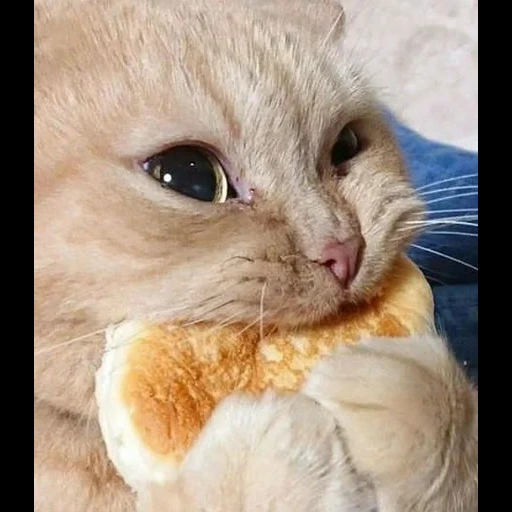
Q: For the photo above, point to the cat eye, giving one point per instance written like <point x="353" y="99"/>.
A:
<point x="346" y="147"/>
<point x="191" y="171"/>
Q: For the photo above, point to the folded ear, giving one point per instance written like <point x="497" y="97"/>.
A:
<point x="325" y="17"/>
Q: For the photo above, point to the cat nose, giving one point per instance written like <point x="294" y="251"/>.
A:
<point x="343" y="259"/>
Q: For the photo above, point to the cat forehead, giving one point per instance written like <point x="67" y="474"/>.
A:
<point x="252" y="79"/>
<point x="218" y="75"/>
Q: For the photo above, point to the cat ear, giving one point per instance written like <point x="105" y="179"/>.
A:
<point x="325" y="17"/>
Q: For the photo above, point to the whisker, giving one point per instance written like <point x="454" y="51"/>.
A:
<point x="455" y="196"/>
<point x="446" y="180"/>
<point x="439" y="190"/>
<point x="261" y="309"/>
<point x="472" y="216"/>
<point x="446" y="256"/>
<point x="421" y="223"/>
<point x="230" y="320"/>
<point x="135" y="337"/>
<point x="248" y="326"/>
<point x="155" y="317"/>
<point x="208" y="312"/>
<point x="331" y="30"/>
<point x="434" y="231"/>
<point x="457" y="233"/>
<point x="433" y="227"/>
<point x="168" y="311"/>
<point x="442" y="222"/>
<point x="45" y="350"/>
<point x="454" y="210"/>
<point x="434" y="279"/>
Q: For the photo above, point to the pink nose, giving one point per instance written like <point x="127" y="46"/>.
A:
<point x="343" y="259"/>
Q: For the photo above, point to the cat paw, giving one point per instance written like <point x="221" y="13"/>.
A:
<point x="395" y="400"/>
<point x="279" y="453"/>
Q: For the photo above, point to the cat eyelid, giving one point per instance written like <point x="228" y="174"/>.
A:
<point x="162" y="148"/>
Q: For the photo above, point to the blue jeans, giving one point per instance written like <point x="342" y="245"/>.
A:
<point x="455" y="283"/>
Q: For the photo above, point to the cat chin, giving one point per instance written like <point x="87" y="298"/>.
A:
<point x="299" y="312"/>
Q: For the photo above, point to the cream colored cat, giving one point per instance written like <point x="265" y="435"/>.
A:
<point x="197" y="159"/>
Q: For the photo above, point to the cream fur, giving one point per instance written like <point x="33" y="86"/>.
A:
<point x="269" y="89"/>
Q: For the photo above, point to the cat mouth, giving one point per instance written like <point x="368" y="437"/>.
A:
<point x="326" y="296"/>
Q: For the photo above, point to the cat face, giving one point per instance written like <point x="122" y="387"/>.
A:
<point x="263" y="96"/>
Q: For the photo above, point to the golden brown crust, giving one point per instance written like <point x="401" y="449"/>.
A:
<point x="176" y="375"/>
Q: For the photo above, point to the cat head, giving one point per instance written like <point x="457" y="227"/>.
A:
<point x="307" y="194"/>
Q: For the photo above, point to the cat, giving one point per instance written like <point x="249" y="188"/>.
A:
<point x="210" y="160"/>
